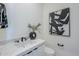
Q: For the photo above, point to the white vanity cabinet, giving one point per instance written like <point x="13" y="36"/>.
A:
<point x="30" y="48"/>
<point x="36" y="50"/>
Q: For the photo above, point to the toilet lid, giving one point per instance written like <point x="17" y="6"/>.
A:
<point x="49" y="50"/>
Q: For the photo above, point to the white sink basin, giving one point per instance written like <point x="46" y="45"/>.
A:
<point x="25" y="43"/>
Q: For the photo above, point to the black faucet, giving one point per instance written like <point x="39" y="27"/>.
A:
<point x="23" y="39"/>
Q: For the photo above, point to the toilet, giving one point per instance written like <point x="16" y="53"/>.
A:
<point x="49" y="52"/>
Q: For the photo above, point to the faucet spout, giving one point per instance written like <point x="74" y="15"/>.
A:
<point x="23" y="39"/>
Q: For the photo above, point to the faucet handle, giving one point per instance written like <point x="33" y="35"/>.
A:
<point x="17" y="41"/>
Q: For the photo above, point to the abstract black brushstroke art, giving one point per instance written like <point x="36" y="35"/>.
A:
<point x="3" y="16"/>
<point x="59" y="22"/>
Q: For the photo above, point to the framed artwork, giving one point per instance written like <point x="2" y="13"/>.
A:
<point x="3" y="16"/>
<point x="59" y="22"/>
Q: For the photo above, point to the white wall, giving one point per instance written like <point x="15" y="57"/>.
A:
<point x="71" y="44"/>
<point x="19" y="16"/>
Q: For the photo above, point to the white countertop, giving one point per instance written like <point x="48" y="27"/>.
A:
<point x="12" y="49"/>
